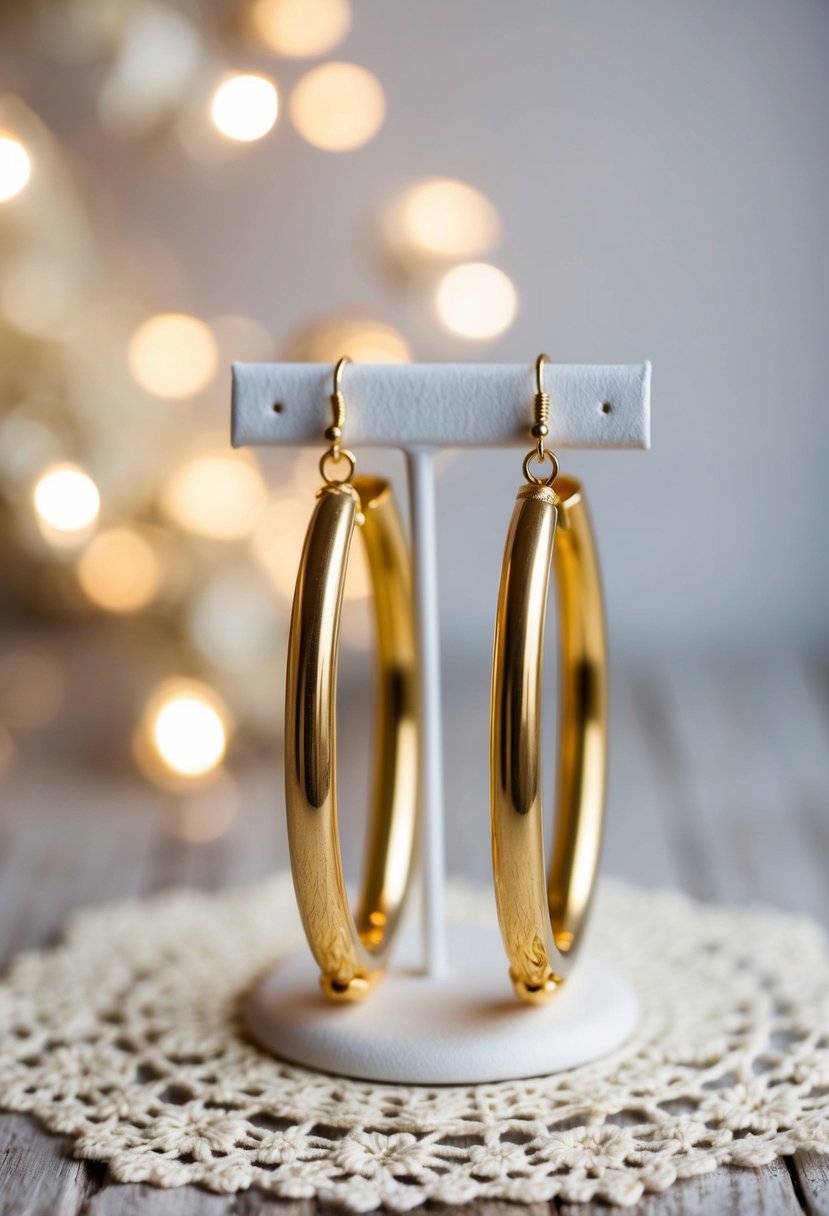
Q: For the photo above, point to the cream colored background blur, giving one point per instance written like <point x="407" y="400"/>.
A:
<point x="661" y="170"/>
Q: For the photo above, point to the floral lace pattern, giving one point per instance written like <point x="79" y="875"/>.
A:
<point x="127" y="1038"/>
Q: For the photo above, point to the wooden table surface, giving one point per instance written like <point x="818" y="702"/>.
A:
<point x="719" y="785"/>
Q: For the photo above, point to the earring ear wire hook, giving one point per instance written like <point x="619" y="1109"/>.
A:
<point x="334" y="433"/>
<point x="542" y="406"/>
<point x="540" y="429"/>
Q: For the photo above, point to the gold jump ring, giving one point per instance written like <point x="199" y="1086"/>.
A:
<point x="335" y="457"/>
<point x="542" y="457"/>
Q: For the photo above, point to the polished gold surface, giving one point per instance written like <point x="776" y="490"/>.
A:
<point x="541" y="917"/>
<point x="351" y="950"/>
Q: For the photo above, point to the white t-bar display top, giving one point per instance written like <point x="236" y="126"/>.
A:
<point x="442" y="405"/>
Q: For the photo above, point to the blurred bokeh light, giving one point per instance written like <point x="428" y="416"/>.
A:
<point x="215" y="494"/>
<point x="173" y="355"/>
<point x="277" y="541"/>
<point x="66" y="502"/>
<point x="241" y="339"/>
<point x="28" y="443"/>
<point x="15" y="167"/>
<point x="443" y="218"/>
<point x="245" y="107"/>
<point x="116" y="503"/>
<point x="232" y="619"/>
<point x="476" y="300"/>
<point x="300" y="29"/>
<point x="120" y="570"/>
<point x="158" y="58"/>
<point x="36" y="295"/>
<point x="338" y="106"/>
<point x="364" y="339"/>
<point x="184" y="731"/>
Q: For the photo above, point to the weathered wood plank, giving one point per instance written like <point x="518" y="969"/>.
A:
<point x="253" y="1203"/>
<point x="38" y="1177"/>
<point x="732" y="1191"/>
<point x="719" y="784"/>
<point x="138" y="1199"/>
<point x="749" y="762"/>
<point x="489" y="1207"/>
<point x="731" y="830"/>
<point x="811" y="1175"/>
<point x="640" y="837"/>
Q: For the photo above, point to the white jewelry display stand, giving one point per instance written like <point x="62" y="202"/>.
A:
<point x="453" y="1018"/>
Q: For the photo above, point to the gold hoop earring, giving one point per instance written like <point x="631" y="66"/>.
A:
<point x="542" y="916"/>
<point x="350" y="950"/>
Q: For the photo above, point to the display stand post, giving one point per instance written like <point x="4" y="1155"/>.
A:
<point x="420" y="463"/>
<point x="453" y="1018"/>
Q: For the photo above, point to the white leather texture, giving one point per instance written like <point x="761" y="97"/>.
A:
<point x="454" y="405"/>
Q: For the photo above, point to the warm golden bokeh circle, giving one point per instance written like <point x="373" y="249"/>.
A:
<point x="183" y="732"/>
<point x="338" y="106"/>
<point x="66" y="502"/>
<point x="476" y="300"/>
<point x="172" y="355"/>
<point x="245" y="107"/>
<point x="300" y="29"/>
<point x="119" y="570"/>
<point x="15" y="167"/>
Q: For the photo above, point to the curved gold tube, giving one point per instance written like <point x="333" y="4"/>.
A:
<point x="542" y="917"/>
<point x="351" y="951"/>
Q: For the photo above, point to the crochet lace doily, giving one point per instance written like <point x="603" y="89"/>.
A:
<point x="127" y="1037"/>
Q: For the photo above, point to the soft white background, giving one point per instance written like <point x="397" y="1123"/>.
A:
<point x="662" y="172"/>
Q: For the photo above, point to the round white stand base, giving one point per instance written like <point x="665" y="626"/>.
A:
<point x="465" y="1029"/>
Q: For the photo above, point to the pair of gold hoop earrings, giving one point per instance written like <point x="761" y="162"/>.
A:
<point x="541" y="915"/>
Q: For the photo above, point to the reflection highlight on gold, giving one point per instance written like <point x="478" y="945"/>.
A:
<point x="300" y="29"/>
<point x="476" y="300"/>
<point x="338" y="106"/>
<point x="217" y="495"/>
<point x="245" y="107"/>
<point x="172" y="355"/>
<point x="119" y="570"/>
<point x="15" y="167"/>
<point x="66" y="503"/>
